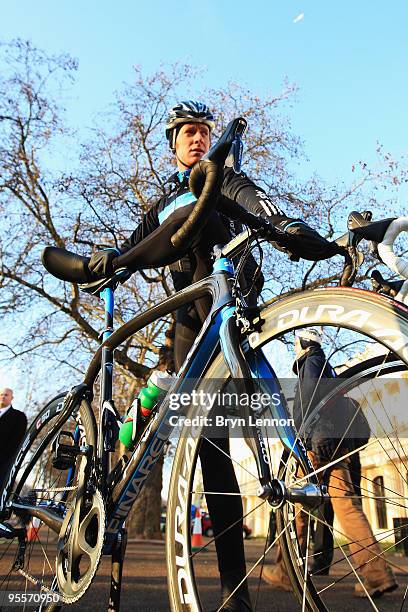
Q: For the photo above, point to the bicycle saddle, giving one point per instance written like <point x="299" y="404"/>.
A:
<point x="388" y="287"/>
<point x="370" y="230"/>
<point x="66" y="266"/>
<point x="73" y="268"/>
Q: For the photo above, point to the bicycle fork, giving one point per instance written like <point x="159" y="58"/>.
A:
<point x="248" y="367"/>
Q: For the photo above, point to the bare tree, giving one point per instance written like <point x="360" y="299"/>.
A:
<point x="122" y="169"/>
<point x="41" y="207"/>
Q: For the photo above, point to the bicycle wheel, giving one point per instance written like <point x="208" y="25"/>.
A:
<point x="49" y="473"/>
<point x="355" y="325"/>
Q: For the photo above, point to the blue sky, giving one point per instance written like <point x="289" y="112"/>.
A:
<point x="349" y="60"/>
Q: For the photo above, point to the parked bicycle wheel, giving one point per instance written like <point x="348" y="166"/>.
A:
<point x="49" y="474"/>
<point x="357" y="327"/>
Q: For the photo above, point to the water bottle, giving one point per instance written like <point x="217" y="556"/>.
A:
<point x="149" y="397"/>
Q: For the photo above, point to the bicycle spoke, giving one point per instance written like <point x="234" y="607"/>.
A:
<point x="254" y="476"/>
<point x="355" y="554"/>
<point x="193" y="554"/>
<point x="362" y="547"/>
<point x="40" y="483"/>
<point x="353" y="571"/>
<point x="306" y="562"/>
<point x="255" y="565"/>
<point x="404" y="599"/>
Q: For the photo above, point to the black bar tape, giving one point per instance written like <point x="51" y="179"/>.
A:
<point x="205" y="181"/>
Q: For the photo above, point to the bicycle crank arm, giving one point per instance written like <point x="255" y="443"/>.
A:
<point x="46" y="515"/>
<point x="309" y="495"/>
<point x="8" y="532"/>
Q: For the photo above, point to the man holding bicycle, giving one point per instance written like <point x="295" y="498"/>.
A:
<point x="188" y="131"/>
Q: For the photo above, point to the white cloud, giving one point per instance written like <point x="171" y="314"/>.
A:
<point x="298" y="18"/>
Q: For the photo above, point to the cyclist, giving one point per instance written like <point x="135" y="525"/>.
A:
<point x="188" y="131"/>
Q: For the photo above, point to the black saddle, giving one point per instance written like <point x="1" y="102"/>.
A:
<point x="369" y="230"/>
<point x="73" y="268"/>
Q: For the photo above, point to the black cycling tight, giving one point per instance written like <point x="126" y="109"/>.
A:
<point x="218" y="475"/>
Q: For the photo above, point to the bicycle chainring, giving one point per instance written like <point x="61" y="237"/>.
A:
<point x="80" y="542"/>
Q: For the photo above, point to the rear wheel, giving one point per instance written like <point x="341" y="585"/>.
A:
<point x="355" y="325"/>
<point x="58" y="554"/>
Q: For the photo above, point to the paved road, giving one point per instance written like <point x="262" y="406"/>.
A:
<point x="145" y="590"/>
<point x="145" y="584"/>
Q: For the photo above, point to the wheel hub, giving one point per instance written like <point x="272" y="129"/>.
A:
<point x="309" y="495"/>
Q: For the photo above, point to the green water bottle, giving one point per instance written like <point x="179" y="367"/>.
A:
<point x="149" y="397"/>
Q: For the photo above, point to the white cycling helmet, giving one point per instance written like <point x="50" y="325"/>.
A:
<point x="187" y="111"/>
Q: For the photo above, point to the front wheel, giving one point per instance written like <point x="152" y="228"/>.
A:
<point x="355" y="326"/>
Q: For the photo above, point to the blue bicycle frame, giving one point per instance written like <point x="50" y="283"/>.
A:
<point x="220" y="326"/>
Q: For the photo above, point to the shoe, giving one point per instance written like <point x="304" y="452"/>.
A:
<point x="375" y="591"/>
<point x="276" y="577"/>
<point x="235" y="605"/>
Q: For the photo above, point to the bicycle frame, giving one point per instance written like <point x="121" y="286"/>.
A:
<point x="220" y="325"/>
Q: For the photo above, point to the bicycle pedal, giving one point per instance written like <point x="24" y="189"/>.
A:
<point x="65" y="451"/>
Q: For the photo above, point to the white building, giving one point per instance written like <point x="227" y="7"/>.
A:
<point x="384" y="460"/>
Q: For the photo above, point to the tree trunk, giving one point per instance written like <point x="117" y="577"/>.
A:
<point x="144" y="519"/>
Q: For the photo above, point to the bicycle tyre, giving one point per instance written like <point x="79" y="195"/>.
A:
<point x="356" y="375"/>
<point x="32" y="467"/>
<point x="376" y="317"/>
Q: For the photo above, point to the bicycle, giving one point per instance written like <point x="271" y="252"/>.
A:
<point x="62" y="474"/>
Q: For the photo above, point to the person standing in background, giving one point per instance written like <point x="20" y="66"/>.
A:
<point x="13" y="425"/>
<point x="313" y="369"/>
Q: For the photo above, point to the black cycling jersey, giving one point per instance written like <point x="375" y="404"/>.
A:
<point x="150" y="246"/>
<point x="236" y="187"/>
<point x="152" y="236"/>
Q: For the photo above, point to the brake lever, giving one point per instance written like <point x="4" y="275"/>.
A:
<point x="229" y="146"/>
<point x="206" y="178"/>
<point x="350" y="239"/>
<point x="353" y="257"/>
<point x="234" y="157"/>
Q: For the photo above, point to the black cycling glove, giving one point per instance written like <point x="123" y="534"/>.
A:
<point x="101" y="263"/>
<point x="302" y="241"/>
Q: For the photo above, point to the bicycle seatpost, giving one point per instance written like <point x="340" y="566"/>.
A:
<point x="108" y="428"/>
<point x="107" y="362"/>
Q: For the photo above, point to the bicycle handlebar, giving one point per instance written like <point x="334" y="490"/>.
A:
<point x="382" y="235"/>
<point x="205" y="183"/>
<point x="207" y="172"/>
<point x="396" y="263"/>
